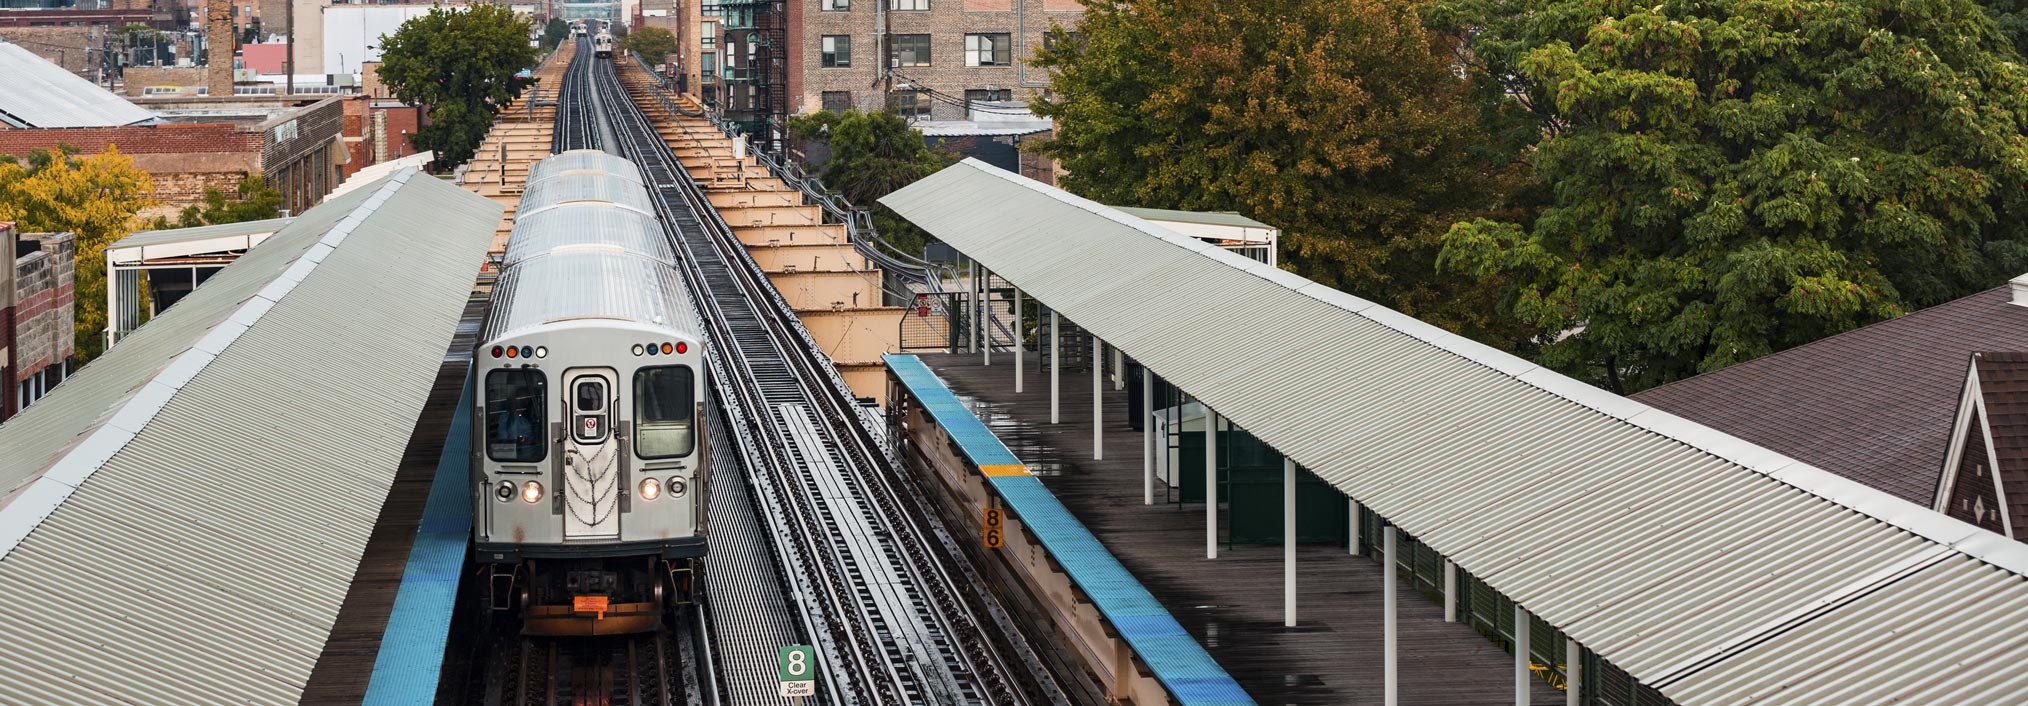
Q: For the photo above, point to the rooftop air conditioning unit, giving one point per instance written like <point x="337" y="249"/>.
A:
<point x="341" y="80"/>
<point x="245" y="76"/>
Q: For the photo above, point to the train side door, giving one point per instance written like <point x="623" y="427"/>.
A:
<point x="591" y="456"/>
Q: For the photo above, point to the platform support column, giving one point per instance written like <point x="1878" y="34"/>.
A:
<point x="986" y="316"/>
<point x="1055" y="367"/>
<point x="1098" y="400"/>
<point x="1210" y="483"/>
<point x="1391" y="680"/>
<point x="1288" y="541"/>
<point x="1450" y="592"/>
<point x="1147" y="436"/>
<point x="1573" y="671"/>
<point x="972" y="307"/>
<point x="1119" y="369"/>
<point x="1352" y="539"/>
<point x="1521" y="676"/>
<point x="1020" y="343"/>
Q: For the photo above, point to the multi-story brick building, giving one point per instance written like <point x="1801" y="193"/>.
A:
<point x="925" y="58"/>
<point x="940" y="53"/>
<point x="37" y="323"/>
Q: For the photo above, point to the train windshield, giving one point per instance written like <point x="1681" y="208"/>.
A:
<point x="515" y="411"/>
<point x="664" y="412"/>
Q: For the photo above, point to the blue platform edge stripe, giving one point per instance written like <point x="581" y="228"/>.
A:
<point x="411" y="658"/>
<point x="1178" y="661"/>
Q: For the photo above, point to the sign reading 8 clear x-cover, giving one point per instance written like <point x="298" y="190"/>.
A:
<point x="799" y="671"/>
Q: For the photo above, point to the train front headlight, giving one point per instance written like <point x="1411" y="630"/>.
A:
<point x="651" y="489"/>
<point x="505" y="492"/>
<point x="531" y="491"/>
<point x="678" y="486"/>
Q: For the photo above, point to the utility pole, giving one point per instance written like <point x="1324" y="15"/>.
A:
<point x="289" y="26"/>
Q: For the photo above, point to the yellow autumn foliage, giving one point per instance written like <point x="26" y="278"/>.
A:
<point x="97" y="198"/>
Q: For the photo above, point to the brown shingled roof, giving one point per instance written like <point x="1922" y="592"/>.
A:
<point x="158" y="139"/>
<point x="1873" y="404"/>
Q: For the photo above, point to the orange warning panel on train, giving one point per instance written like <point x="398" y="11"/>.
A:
<point x="589" y="604"/>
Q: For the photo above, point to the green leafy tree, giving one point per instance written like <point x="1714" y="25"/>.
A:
<point x="554" y="33"/>
<point x="652" y="43"/>
<point x="1339" y="121"/>
<point x="95" y="198"/>
<point x="872" y="155"/>
<point x="254" y="201"/>
<point x="461" y="63"/>
<point x="1722" y="179"/>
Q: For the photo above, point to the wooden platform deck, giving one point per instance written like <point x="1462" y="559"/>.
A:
<point x="1233" y="604"/>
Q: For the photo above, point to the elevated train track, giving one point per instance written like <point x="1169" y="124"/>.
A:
<point x="816" y="538"/>
<point x="895" y="619"/>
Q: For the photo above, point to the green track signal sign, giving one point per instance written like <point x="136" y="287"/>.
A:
<point x="799" y="671"/>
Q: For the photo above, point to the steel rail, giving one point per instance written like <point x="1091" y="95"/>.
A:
<point x="915" y="634"/>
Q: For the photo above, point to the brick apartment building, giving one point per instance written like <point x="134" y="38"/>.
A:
<point x="940" y="53"/>
<point x="37" y="324"/>
<point x="943" y="51"/>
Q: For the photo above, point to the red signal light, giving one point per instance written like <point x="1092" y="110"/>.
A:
<point x="496" y="351"/>
<point x="682" y="348"/>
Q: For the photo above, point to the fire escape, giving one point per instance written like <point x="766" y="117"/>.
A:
<point x="757" y="69"/>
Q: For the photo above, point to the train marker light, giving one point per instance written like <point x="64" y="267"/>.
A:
<point x="665" y="349"/>
<point x="527" y="352"/>
<point x="651" y="489"/>
<point x="505" y="491"/>
<point x="496" y="351"/>
<point x="678" y="486"/>
<point x="682" y="348"/>
<point x="541" y="351"/>
<point x="513" y="352"/>
<point x="637" y="349"/>
<point x="532" y="492"/>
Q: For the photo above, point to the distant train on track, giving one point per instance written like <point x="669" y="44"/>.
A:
<point x="602" y="45"/>
<point x="589" y="462"/>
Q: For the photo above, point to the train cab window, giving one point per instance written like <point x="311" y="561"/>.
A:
<point x="664" y="411"/>
<point x="590" y="403"/>
<point x="516" y="407"/>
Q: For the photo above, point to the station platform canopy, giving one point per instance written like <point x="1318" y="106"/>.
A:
<point x="180" y="519"/>
<point x="1711" y="569"/>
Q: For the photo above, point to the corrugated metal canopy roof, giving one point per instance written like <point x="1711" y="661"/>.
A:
<point x="184" y="235"/>
<point x="42" y="94"/>
<point x="182" y="517"/>
<point x="1712" y="569"/>
<point x="1211" y="218"/>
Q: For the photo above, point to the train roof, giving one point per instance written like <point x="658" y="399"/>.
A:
<point x="585" y="160"/>
<point x="590" y="283"/>
<point x="587" y="224"/>
<point x="584" y="185"/>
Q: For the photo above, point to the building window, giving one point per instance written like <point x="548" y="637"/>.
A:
<point x="837" y="5"/>
<point x="837" y="51"/>
<point x="707" y="35"/>
<point x="975" y="95"/>
<point x="910" y="50"/>
<point x="988" y="50"/>
<point x="707" y="62"/>
<point x="908" y="4"/>
<point x="909" y="104"/>
<point x="1049" y="40"/>
<point x="837" y="101"/>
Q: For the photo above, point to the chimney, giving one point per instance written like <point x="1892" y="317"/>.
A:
<point x="219" y="39"/>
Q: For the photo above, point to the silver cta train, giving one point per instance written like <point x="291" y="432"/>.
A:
<point x="602" y="45"/>
<point x="589" y="447"/>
